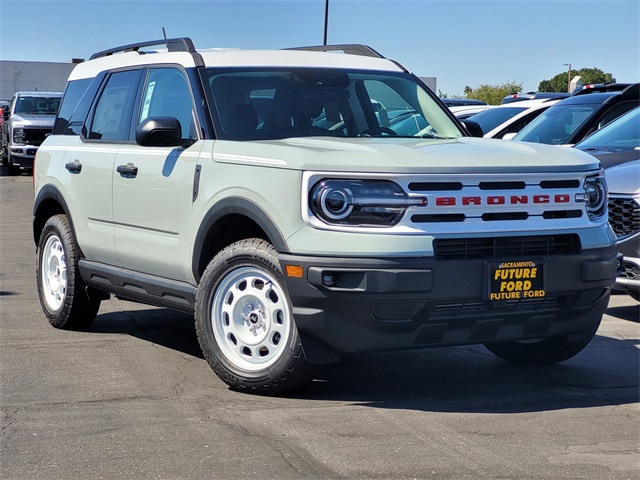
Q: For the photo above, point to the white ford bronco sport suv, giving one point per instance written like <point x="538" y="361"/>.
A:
<point x="307" y="205"/>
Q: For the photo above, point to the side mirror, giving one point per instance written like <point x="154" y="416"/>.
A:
<point x="473" y="128"/>
<point x="160" y="132"/>
<point x="5" y="113"/>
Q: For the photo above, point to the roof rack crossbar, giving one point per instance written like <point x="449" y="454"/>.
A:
<point x="182" y="44"/>
<point x="349" y="48"/>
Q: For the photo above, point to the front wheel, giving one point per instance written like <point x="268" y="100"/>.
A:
<point x="245" y="324"/>
<point x="63" y="295"/>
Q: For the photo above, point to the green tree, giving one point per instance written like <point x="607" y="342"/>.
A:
<point x="560" y="82"/>
<point x="493" y="94"/>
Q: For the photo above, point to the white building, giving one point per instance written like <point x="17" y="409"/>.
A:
<point x="18" y="76"/>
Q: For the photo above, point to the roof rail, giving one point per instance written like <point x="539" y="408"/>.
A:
<point x="183" y="44"/>
<point x="633" y="89"/>
<point x="602" y="87"/>
<point x="348" y="48"/>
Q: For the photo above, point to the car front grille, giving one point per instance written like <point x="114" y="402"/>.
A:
<point x="624" y="216"/>
<point x="35" y="136"/>
<point x="630" y="271"/>
<point x="505" y="247"/>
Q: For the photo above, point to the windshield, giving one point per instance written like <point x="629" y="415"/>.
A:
<point x="556" y="124"/>
<point x="260" y="104"/>
<point x="38" y="105"/>
<point x="621" y="134"/>
<point x="491" y="118"/>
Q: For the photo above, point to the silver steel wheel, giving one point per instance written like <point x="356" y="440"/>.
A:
<point x="251" y="319"/>
<point x="54" y="273"/>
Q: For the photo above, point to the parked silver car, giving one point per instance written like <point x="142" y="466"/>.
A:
<point x="618" y="144"/>
<point x="624" y="218"/>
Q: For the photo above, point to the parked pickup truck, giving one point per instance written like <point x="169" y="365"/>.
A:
<point x="26" y="123"/>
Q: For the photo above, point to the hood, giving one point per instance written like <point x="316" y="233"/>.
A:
<point x="33" y="120"/>
<point x="405" y="155"/>
<point x="624" y="179"/>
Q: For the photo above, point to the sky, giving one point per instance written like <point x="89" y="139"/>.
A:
<point x="460" y="42"/>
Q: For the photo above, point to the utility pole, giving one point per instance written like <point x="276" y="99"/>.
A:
<point x="326" y="20"/>
<point x="568" y="77"/>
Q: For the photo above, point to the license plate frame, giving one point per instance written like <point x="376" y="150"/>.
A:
<point x="515" y="280"/>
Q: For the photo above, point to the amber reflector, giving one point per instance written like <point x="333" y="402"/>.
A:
<point x="294" y="271"/>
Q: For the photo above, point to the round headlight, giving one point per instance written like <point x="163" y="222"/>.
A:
<point x="378" y="203"/>
<point x="334" y="202"/>
<point x="596" y="196"/>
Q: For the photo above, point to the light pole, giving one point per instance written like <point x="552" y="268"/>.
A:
<point x="568" y="77"/>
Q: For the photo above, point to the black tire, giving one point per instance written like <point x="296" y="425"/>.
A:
<point x="13" y="169"/>
<point x="62" y="291"/>
<point x="4" y="150"/>
<point x="545" y="351"/>
<point x="245" y="324"/>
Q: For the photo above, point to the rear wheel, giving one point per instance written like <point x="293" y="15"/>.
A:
<point x="549" y="350"/>
<point x="544" y="351"/>
<point x="63" y="295"/>
<point x="245" y="324"/>
<point x="8" y="162"/>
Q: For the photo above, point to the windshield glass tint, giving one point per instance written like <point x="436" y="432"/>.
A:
<point x="621" y="134"/>
<point x="491" y="118"/>
<point x="38" y="105"/>
<point x="300" y="102"/>
<point x="555" y="125"/>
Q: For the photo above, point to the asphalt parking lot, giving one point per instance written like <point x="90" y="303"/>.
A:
<point x="134" y="398"/>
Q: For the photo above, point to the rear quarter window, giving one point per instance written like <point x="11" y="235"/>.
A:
<point x="72" y="95"/>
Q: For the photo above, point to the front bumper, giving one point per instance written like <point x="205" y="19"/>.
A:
<point x="22" y="156"/>
<point x="352" y="305"/>
<point x="629" y="278"/>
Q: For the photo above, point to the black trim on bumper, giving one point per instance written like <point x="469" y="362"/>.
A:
<point x="402" y="303"/>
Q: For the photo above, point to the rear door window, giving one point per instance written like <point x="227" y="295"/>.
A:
<point x="113" y="112"/>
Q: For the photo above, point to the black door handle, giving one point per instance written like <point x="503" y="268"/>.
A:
<point x="74" y="167"/>
<point x="128" y="171"/>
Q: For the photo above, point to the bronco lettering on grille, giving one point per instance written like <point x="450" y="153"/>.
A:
<point x="502" y="200"/>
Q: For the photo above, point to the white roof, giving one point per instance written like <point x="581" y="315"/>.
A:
<point x="529" y="106"/>
<point x="534" y="102"/>
<point x="236" y="58"/>
<point x="91" y="68"/>
<point x="465" y="109"/>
